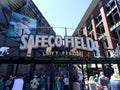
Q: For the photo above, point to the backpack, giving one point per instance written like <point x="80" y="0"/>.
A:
<point x="104" y="82"/>
<point x="34" y="83"/>
<point x="9" y="83"/>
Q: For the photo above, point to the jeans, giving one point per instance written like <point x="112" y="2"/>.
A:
<point x="115" y="84"/>
<point x="81" y="85"/>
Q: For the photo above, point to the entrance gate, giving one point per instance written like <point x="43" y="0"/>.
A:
<point x="88" y="66"/>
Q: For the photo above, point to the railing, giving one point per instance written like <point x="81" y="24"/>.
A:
<point x="115" y="26"/>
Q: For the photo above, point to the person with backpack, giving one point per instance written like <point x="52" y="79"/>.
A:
<point x="104" y="81"/>
<point x="34" y="83"/>
<point x="9" y="83"/>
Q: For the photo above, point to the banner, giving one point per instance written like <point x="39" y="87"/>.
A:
<point x="20" y="25"/>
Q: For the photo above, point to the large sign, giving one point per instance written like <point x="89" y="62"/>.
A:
<point x="45" y="41"/>
<point x="21" y="24"/>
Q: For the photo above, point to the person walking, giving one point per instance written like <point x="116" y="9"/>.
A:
<point x="34" y="83"/>
<point x="1" y="83"/>
<point x="57" y="83"/>
<point x="76" y="84"/>
<point x="104" y="81"/>
<point x="91" y="83"/>
<point x="96" y="78"/>
<point x="66" y="83"/>
<point x="80" y="80"/>
<point x="18" y="83"/>
<point x="42" y="83"/>
<point x="115" y="80"/>
<point x="9" y="83"/>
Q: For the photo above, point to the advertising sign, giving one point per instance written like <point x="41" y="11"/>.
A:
<point x="20" y="25"/>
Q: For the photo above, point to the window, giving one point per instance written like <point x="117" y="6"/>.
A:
<point x="98" y="18"/>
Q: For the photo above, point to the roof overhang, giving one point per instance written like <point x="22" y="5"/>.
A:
<point x="87" y="14"/>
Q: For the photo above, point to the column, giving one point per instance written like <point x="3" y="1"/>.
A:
<point x="10" y="69"/>
<point x="70" y="76"/>
<point x="87" y="69"/>
<point x="85" y="31"/>
<point x="96" y="65"/>
<point x="94" y="30"/>
<point x="16" y="69"/>
<point x="32" y="69"/>
<point x="103" y="67"/>
<point x="107" y="32"/>
<point x="52" y="76"/>
<point x="110" y="70"/>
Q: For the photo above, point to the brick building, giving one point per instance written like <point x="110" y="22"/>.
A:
<point x="101" y="22"/>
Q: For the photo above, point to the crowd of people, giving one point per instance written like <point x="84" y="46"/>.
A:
<point x="62" y="82"/>
<point x="101" y="82"/>
<point x="38" y="82"/>
<point x="98" y="82"/>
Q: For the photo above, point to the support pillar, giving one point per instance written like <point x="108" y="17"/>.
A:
<point x="110" y="70"/>
<point x="106" y="26"/>
<point x="52" y="76"/>
<point x="103" y="68"/>
<point x="87" y="69"/>
<point x="70" y="76"/>
<point x="32" y="69"/>
<point x="16" y="70"/>
<point x="10" y="69"/>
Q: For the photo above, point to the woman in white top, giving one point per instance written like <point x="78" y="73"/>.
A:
<point x="18" y="83"/>
<point x="115" y="79"/>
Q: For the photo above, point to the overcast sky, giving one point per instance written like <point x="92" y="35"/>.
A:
<point x="63" y="13"/>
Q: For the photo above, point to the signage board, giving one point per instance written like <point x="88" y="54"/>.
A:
<point x="44" y="41"/>
<point x="21" y="24"/>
